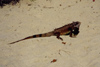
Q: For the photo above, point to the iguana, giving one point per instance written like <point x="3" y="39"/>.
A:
<point x="71" y="29"/>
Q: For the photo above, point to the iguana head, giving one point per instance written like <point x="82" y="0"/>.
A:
<point x="76" y="24"/>
<point x="75" y="30"/>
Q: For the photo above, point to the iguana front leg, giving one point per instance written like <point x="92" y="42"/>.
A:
<point x="74" y="32"/>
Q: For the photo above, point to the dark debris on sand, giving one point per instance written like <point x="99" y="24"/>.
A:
<point x="4" y="2"/>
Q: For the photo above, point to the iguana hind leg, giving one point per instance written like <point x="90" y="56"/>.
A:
<point x="58" y="36"/>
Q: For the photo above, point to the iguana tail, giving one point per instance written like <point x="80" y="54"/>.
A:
<point x="35" y="36"/>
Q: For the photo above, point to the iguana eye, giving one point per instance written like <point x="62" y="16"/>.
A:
<point x="76" y="23"/>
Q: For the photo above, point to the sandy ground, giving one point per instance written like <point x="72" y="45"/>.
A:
<point x="40" y="16"/>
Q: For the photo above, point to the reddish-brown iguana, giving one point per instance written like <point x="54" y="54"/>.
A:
<point x="71" y="29"/>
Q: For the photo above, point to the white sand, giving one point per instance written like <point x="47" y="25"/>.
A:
<point x="21" y="20"/>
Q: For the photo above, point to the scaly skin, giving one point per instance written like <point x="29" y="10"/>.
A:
<point x="71" y="29"/>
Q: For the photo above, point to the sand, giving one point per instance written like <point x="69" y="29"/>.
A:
<point x="40" y="16"/>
